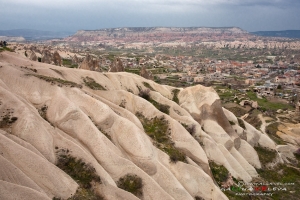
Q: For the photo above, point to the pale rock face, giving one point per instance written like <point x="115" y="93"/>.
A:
<point x="46" y="56"/>
<point x="101" y="128"/>
<point x="89" y="63"/>
<point x="116" y="66"/>
<point x="31" y="55"/>
<point x="57" y="59"/>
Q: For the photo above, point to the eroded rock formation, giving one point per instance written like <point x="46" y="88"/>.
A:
<point x="102" y="124"/>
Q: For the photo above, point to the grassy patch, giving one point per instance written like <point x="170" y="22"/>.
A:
<point x="84" y="174"/>
<point x="145" y="94"/>
<point x="190" y="128"/>
<point x="6" y="49"/>
<point x="175" y="95"/>
<point x="237" y="111"/>
<point x="271" y="131"/>
<point x="133" y="71"/>
<point x="253" y="119"/>
<point x="66" y="62"/>
<point x="57" y="71"/>
<point x="105" y="133"/>
<point x="43" y="112"/>
<point x="220" y="173"/>
<point x="161" y="107"/>
<point x="81" y="172"/>
<point x="264" y="104"/>
<point x="198" y="198"/>
<point x="158" y="130"/>
<point x="58" y="81"/>
<point x="241" y="123"/>
<point x="131" y="183"/>
<point x="147" y="85"/>
<point x="265" y="155"/>
<point x="91" y="83"/>
<point x="283" y="173"/>
<point x="231" y="123"/>
<point x="7" y="120"/>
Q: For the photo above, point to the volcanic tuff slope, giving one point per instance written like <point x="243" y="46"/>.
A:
<point x="53" y="116"/>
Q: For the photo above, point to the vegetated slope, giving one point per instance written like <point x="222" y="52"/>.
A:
<point x="77" y="134"/>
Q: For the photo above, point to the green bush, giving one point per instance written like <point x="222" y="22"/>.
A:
<point x="81" y="172"/>
<point x="91" y="83"/>
<point x="158" y="130"/>
<point x="190" y="128"/>
<point x="271" y="130"/>
<point x="84" y="174"/>
<point x="145" y="94"/>
<point x="175" y="95"/>
<point x="220" y="173"/>
<point x="147" y="85"/>
<point x="231" y="123"/>
<point x="131" y="183"/>
<point x="265" y="155"/>
<point x="7" y="120"/>
<point x="58" y="81"/>
<point x="241" y="123"/>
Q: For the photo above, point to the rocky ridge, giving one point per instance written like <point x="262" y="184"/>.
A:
<point x="115" y="126"/>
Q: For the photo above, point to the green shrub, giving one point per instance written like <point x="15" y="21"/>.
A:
<point x="91" y="83"/>
<point x="231" y="123"/>
<point x="131" y="183"/>
<point x="147" y="85"/>
<point x="57" y="71"/>
<point x="145" y="94"/>
<point x="253" y="119"/>
<point x="241" y="123"/>
<point x="190" y="128"/>
<point x="58" y="81"/>
<point x="81" y="172"/>
<point x="84" y="174"/>
<point x="265" y="155"/>
<point x="271" y="130"/>
<point x="158" y="130"/>
<point x="220" y="173"/>
<point x="175" y="95"/>
<point x="161" y="107"/>
<point x="7" y="120"/>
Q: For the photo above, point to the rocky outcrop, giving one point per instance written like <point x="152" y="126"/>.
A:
<point x="112" y="133"/>
<point x="144" y="73"/>
<point x="31" y="55"/>
<point x="46" y="56"/>
<point x="90" y="63"/>
<point x="75" y="60"/>
<point x="253" y="104"/>
<point x="116" y="66"/>
<point x="56" y="59"/>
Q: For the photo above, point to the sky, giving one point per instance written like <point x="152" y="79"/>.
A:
<point x="73" y="15"/>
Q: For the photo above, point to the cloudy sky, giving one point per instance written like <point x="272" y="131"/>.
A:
<point x="73" y="15"/>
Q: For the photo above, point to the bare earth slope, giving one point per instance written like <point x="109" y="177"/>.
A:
<point x="53" y="116"/>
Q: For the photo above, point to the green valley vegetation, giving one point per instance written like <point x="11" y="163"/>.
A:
<point x="158" y="129"/>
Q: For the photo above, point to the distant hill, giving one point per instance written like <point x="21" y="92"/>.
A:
<point x="286" y="33"/>
<point x="159" y="34"/>
<point x="30" y="34"/>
